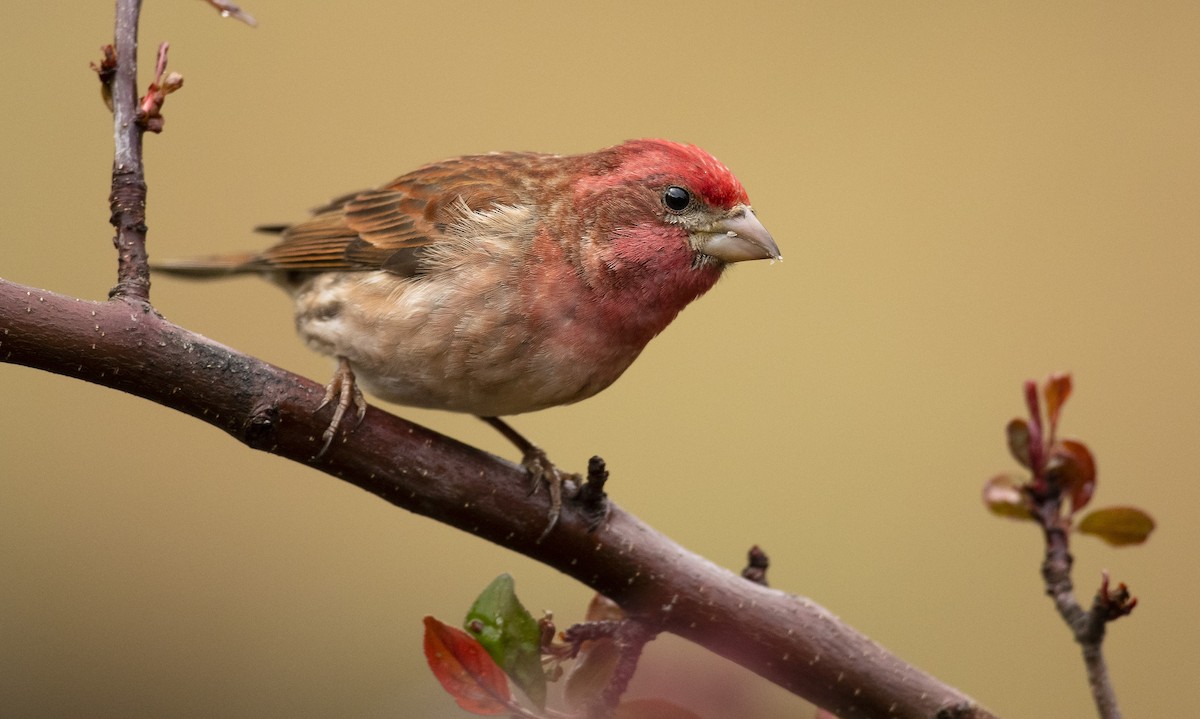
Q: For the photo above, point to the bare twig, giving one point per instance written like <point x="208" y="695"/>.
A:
<point x="228" y="9"/>
<point x="629" y="636"/>
<point x="591" y="498"/>
<point x="757" y="564"/>
<point x="1087" y="627"/>
<point x="128" y="198"/>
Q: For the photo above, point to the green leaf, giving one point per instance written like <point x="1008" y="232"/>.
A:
<point x="510" y="635"/>
<point x="1118" y="526"/>
<point x="1004" y="497"/>
<point x="1018" y="441"/>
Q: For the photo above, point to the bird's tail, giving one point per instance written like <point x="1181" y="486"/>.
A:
<point x="211" y="266"/>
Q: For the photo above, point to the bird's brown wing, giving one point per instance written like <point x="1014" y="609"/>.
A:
<point x="390" y="227"/>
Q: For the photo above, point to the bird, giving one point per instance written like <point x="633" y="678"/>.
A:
<point x="504" y="283"/>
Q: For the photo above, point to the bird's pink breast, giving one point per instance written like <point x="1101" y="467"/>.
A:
<point x="598" y="316"/>
<point x="502" y="334"/>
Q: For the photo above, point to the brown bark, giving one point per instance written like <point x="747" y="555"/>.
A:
<point x="126" y="345"/>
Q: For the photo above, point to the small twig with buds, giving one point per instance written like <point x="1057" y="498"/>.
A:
<point x="149" y="114"/>
<point x="107" y="72"/>
<point x="629" y="636"/>
<point x="1062" y="482"/>
<point x="118" y="71"/>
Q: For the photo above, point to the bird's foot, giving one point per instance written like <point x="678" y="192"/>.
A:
<point x="542" y="470"/>
<point x="589" y="496"/>
<point x="348" y="395"/>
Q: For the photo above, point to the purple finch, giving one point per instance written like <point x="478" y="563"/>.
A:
<point x="506" y="283"/>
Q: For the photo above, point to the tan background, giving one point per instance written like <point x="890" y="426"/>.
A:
<point x="966" y="195"/>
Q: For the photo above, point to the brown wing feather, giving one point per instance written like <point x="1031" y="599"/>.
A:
<point x="388" y="228"/>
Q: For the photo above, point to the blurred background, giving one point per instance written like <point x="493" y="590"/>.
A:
<point x="967" y="195"/>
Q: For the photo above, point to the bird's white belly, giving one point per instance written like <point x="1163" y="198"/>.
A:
<point x="445" y="346"/>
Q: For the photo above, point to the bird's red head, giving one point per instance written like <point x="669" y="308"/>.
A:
<point x="659" y="164"/>
<point x="670" y="162"/>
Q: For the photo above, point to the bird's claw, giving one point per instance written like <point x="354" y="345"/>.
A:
<point x="348" y="395"/>
<point x="542" y="470"/>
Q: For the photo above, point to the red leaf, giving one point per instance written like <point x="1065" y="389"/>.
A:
<point x="1018" y="441"/>
<point x="1003" y="496"/>
<point x="1037" y="456"/>
<point x="1118" y="526"/>
<point x="465" y="670"/>
<point x="1056" y="391"/>
<point x="652" y="709"/>
<point x="1073" y="468"/>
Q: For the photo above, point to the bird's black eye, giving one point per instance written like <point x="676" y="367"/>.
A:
<point x="676" y="198"/>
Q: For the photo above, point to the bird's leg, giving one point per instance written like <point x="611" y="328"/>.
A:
<point x="540" y="469"/>
<point x="348" y="394"/>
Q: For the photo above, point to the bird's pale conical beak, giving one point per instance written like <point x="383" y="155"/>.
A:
<point x="740" y="236"/>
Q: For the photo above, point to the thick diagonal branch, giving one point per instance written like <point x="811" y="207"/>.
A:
<point x="787" y="639"/>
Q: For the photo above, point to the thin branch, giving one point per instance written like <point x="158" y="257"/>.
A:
<point x="128" y="198"/>
<point x="228" y="9"/>
<point x="1087" y="627"/>
<point x="629" y="637"/>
